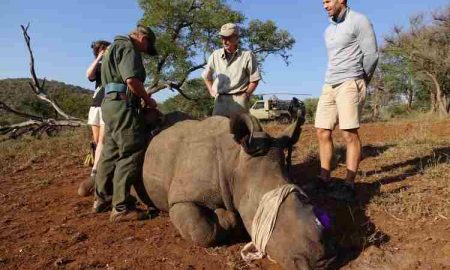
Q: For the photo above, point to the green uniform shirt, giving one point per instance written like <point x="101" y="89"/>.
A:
<point x="121" y="62"/>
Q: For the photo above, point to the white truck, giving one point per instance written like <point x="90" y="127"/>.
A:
<point x="272" y="109"/>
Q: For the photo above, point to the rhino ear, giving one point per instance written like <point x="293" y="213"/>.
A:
<point x="292" y="133"/>
<point x="243" y="125"/>
<point x="249" y="134"/>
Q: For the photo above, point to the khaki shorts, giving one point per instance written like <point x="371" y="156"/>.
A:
<point x="341" y="104"/>
<point x="226" y="105"/>
<point x="95" y="116"/>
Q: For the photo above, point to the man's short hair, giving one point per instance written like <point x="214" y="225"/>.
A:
<point x="146" y="31"/>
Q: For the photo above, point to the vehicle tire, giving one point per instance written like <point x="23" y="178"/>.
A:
<point x="284" y="119"/>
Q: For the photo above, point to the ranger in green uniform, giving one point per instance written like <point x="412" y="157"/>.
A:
<point x="120" y="163"/>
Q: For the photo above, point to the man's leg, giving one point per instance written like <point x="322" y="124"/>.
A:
<point x="326" y="118"/>
<point x="108" y="156"/>
<point x="105" y="172"/>
<point x="131" y="140"/>
<point x="350" y="99"/>
<point x="128" y="171"/>
<point x="353" y="143"/>
<point x="325" y="139"/>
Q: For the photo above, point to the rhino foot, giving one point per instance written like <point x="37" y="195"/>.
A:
<point x="194" y="223"/>
<point x="227" y="219"/>
<point x="201" y="225"/>
<point x="86" y="188"/>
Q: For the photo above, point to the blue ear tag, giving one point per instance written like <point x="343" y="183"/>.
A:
<point x="322" y="217"/>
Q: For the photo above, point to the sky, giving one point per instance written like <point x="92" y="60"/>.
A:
<point x="62" y="31"/>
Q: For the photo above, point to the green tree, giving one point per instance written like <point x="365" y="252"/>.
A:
<point x="201" y="107"/>
<point x="399" y="78"/>
<point x="187" y="32"/>
<point x="310" y="107"/>
<point x="37" y="107"/>
<point x="426" y="50"/>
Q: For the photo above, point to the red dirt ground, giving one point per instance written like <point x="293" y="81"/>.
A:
<point x="45" y="225"/>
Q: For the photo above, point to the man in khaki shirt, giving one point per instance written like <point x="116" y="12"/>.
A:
<point x="236" y="74"/>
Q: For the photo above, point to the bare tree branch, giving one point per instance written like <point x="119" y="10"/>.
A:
<point x="5" y="107"/>
<point x="38" y="88"/>
<point x="189" y="71"/>
<point x="175" y="85"/>
<point x="37" y="125"/>
<point x="268" y="50"/>
<point x="170" y="85"/>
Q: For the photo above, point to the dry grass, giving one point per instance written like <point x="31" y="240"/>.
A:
<point x="429" y="198"/>
<point x="425" y="163"/>
<point x="21" y="154"/>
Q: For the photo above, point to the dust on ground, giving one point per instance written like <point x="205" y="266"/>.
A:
<point x="401" y="220"/>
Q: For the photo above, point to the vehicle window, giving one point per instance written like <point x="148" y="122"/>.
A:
<point x="259" y="105"/>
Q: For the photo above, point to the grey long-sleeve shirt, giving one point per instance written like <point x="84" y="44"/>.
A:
<point x="352" y="48"/>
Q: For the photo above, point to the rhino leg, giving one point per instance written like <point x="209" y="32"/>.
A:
<point x="201" y="225"/>
<point x="228" y="220"/>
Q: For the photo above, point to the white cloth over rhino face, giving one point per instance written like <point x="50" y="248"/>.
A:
<point x="264" y="221"/>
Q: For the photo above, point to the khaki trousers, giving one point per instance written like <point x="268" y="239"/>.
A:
<point x="226" y="105"/>
<point x="341" y="104"/>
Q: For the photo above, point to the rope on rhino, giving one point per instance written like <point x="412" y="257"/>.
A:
<point x="264" y="221"/>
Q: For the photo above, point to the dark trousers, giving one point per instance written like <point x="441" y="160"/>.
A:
<point x="120" y="163"/>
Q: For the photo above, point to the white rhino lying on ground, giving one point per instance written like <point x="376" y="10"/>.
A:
<point x="210" y="176"/>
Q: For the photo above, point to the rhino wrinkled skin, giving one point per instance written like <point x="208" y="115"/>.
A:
<point x="211" y="186"/>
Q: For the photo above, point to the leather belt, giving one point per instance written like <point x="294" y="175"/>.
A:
<point x="231" y="94"/>
<point x="336" y="85"/>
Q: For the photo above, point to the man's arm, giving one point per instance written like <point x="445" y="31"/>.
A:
<point x="130" y="66"/>
<point x="255" y="76"/>
<point x="207" y="76"/>
<point x="209" y="85"/>
<point x="251" y="88"/>
<point x="368" y="44"/>
<point x="137" y="87"/>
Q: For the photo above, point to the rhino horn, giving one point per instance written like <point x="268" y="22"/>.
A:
<point x="249" y="134"/>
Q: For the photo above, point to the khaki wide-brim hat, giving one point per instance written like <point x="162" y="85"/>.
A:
<point x="151" y="50"/>
<point x="229" y="29"/>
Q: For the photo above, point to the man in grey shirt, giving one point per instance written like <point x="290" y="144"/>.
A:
<point x="352" y="59"/>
